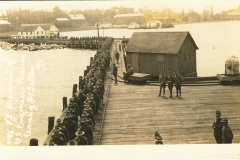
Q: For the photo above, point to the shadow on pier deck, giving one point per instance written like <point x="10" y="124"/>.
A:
<point x="135" y="112"/>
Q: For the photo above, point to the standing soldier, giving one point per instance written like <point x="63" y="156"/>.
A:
<point x="115" y="70"/>
<point x="178" y="83"/>
<point x="170" y="80"/>
<point x="162" y="81"/>
<point x="117" y="55"/>
<point x="217" y="126"/>
<point x="227" y="134"/>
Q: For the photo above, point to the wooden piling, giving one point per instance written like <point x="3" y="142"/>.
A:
<point x="85" y="73"/>
<point x="88" y="68"/>
<point x="80" y="82"/>
<point x="64" y="103"/>
<point x="50" y="123"/>
<point x="33" y="142"/>
<point x="74" y="89"/>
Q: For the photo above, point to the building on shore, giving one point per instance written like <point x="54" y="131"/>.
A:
<point x="126" y="19"/>
<point x="62" y="23"/>
<point x="133" y="25"/>
<point x="37" y="31"/>
<point x="77" y="20"/>
<point x="151" y="52"/>
<point x="154" y="23"/>
<point x="4" y="26"/>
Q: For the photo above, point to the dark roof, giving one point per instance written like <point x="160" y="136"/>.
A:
<point x="157" y="42"/>
<point x="27" y="28"/>
<point x="46" y="27"/>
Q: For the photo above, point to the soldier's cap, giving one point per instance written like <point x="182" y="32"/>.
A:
<point x="59" y="120"/>
<point x="72" y="142"/>
<point x="84" y="114"/>
<point x="157" y="134"/>
<point x="218" y="112"/>
<point x="225" y="120"/>
<point x="79" y="133"/>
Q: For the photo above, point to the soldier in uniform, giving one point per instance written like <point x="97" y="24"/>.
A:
<point x="71" y="126"/>
<point x="170" y="80"/>
<point x="158" y="138"/>
<point x="117" y="55"/>
<point x="162" y="81"/>
<point x="80" y="139"/>
<point x="115" y="70"/>
<point x="61" y="127"/>
<point x="227" y="135"/>
<point x="217" y="126"/>
<point x="128" y="73"/>
<point x="178" y="83"/>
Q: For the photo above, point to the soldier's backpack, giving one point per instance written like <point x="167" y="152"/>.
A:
<point x="229" y="134"/>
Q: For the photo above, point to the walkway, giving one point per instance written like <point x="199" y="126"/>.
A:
<point x="134" y="113"/>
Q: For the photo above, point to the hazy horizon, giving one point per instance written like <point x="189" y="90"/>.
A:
<point x="175" y="5"/>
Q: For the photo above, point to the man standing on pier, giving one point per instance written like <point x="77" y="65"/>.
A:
<point x="162" y="81"/>
<point x="227" y="135"/>
<point x="217" y="126"/>
<point x="117" y="55"/>
<point x="115" y="70"/>
<point x="170" y="80"/>
<point x="178" y="83"/>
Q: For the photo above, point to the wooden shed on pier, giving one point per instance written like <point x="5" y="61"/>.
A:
<point x="151" y="52"/>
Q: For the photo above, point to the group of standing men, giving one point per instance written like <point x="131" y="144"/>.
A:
<point x="222" y="132"/>
<point x="170" y="79"/>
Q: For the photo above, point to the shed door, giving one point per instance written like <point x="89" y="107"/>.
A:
<point x="135" y="62"/>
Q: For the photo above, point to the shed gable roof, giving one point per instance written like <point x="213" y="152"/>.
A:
<point x="76" y="17"/>
<point x="157" y="42"/>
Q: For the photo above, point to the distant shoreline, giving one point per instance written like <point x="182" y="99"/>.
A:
<point x="114" y="27"/>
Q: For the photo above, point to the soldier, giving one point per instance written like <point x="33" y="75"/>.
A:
<point x="178" y="83"/>
<point x="71" y="126"/>
<point x="61" y="127"/>
<point x="217" y="126"/>
<point x="158" y="138"/>
<point x="88" y="130"/>
<point x="162" y="81"/>
<point x="80" y="139"/>
<point x="117" y="55"/>
<point x="58" y="138"/>
<point x="227" y="135"/>
<point x="128" y="73"/>
<point x="115" y="70"/>
<point x="170" y="80"/>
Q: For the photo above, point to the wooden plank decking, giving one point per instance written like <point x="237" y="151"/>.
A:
<point x="135" y="112"/>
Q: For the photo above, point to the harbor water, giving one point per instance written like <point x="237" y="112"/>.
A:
<point x="33" y="83"/>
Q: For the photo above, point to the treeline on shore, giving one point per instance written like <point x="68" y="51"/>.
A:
<point x="27" y="16"/>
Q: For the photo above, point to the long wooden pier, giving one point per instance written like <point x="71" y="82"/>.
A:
<point x="134" y="112"/>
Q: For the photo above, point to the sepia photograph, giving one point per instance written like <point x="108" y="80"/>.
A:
<point x="128" y="78"/>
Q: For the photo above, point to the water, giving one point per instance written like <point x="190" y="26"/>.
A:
<point x="216" y="42"/>
<point x="60" y="69"/>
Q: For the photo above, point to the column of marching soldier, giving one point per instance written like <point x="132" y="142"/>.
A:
<point x="85" y="103"/>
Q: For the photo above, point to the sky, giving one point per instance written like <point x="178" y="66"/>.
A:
<point x="175" y="5"/>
